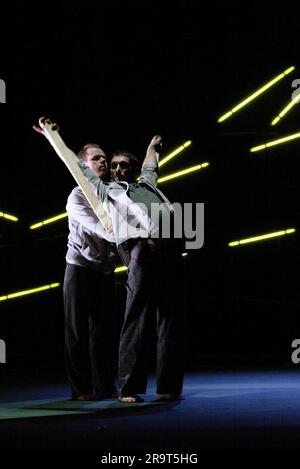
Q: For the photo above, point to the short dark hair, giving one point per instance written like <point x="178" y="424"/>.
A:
<point x="132" y="158"/>
<point x="81" y="154"/>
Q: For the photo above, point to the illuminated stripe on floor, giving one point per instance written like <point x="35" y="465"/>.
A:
<point x="48" y="221"/>
<point x="174" y="153"/>
<point x="255" y="94"/>
<point x="275" y="142"/>
<point x="7" y="216"/>
<point x="262" y="237"/>
<point x="184" y="172"/>
<point x="29" y="292"/>
<point x="285" y="110"/>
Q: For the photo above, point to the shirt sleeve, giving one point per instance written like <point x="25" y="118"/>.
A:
<point x="149" y="174"/>
<point x="80" y="210"/>
<point x="100" y="186"/>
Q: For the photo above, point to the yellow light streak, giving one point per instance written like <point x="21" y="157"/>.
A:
<point x="183" y="172"/>
<point x="174" y="153"/>
<point x="255" y="94"/>
<point x="254" y="239"/>
<point x="48" y="221"/>
<point x="29" y="292"/>
<point x="7" y="216"/>
<point x="272" y="143"/>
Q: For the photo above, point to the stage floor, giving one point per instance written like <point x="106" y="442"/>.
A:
<point x="221" y="410"/>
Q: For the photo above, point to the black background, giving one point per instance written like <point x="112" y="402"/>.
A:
<point x="117" y="75"/>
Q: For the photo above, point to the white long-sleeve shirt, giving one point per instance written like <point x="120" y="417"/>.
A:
<point x="86" y="245"/>
<point x="129" y="219"/>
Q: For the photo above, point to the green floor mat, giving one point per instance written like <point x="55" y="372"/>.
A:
<point x="52" y="408"/>
<point x="90" y="406"/>
<point x="8" y="413"/>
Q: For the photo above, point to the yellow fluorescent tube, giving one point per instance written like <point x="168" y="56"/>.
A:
<point x="275" y="142"/>
<point x="262" y="237"/>
<point x="48" y="220"/>
<point x="255" y="94"/>
<point x="285" y="110"/>
<point x="184" y="172"/>
<point x="29" y="292"/>
<point x="174" y="153"/>
<point x="7" y="216"/>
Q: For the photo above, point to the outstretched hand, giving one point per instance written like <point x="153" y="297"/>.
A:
<point x="156" y="143"/>
<point x="153" y="151"/>
<point x="45" y="123"/>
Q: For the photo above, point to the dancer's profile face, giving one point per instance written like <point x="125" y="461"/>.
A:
<point x="95" y="159"/>
<point x="121" y="169"/>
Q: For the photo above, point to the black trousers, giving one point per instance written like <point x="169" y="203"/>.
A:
<point x="90" y="331"/>
<point x="155" y="290"/>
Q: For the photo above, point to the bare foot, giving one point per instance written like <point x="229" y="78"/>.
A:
<point x="130" y="399"/>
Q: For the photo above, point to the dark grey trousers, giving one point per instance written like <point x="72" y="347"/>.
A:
<point x="155" y="290"/>
<point x="90" y="331"/>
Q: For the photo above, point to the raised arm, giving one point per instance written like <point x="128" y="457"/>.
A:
<point x="73" y="163"/>
<point x="153" y="150"/>
<point x="50" y="132"/>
